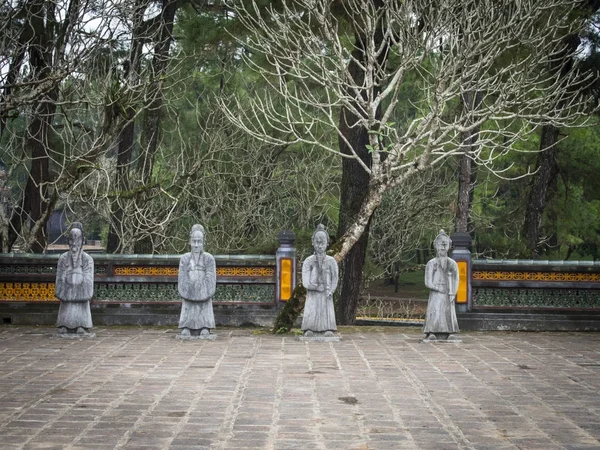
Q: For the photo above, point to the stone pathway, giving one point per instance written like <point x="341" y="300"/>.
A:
<point x="379" y="388"/>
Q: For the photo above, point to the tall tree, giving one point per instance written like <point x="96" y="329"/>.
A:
<point x="453" y="47"/>
<point x="157" y="30"/>
<point x="467" y="168"/>
<point x="546" y="171"/>
<point x="44" y="41"/>
<point x="546" y="166"/>
<point x="353" y="142"/>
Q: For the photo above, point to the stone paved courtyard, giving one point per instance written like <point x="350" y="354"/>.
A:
<point x="379" y="388"/>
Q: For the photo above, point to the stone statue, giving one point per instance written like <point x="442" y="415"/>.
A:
<point x="197" y="283"/>
<point x="441" y="277"/>
<point x="75" y="286"/>
<point x="320" y="278"/>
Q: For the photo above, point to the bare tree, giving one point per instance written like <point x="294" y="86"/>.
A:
<point x="129" y="140"/>
<point x="45" y="46"/>
<point x="100" y="75"/>
<point x="546" y="164"/>
<point x="353" y="61"/>
<point x="246" y="190"/>
<point x="143" y="92"/>
<point x="408" y="214"/>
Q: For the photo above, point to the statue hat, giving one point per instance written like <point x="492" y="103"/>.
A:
<point x="442" y="235"/>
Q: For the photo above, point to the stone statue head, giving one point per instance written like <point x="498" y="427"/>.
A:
<point x="442" y="243"/>
<point x="76" y="237"/>
<point x="320" y="240"/>
<point x="197" y="239"/>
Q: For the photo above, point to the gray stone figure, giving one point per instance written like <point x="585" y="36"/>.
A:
<point x="197" y="283"/>
<point x="320" y="278"/>
<point x="441" y="277"/>
<point x="75" y="287"/>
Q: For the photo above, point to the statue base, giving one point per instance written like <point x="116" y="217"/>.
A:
<point x="442" y="338"/>
<point x="210" y="337"/>
<point x="194" y="335"/>
<point x="314" y="336"/>
<point x="79" y="333"/>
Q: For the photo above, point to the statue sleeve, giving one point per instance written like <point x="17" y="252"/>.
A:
<point x="429" y="276"/>
<point x="182" y="279"/>
<point x="88" y="275"/>
<point x="210" y="277"/>
<point x="335" y="276"/>
<point x="61" y="271"/>
<point x="306" y="270"/>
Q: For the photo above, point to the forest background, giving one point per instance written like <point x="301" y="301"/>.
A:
<point x="385" y="121"/>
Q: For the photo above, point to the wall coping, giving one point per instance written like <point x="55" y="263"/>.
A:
<point x="138" y="257"/>
<point x="534" y="263"/>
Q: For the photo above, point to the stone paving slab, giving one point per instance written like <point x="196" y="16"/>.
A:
<point x="378" y="388"/>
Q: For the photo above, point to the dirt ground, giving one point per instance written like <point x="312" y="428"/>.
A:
<point x="380" y="300"/>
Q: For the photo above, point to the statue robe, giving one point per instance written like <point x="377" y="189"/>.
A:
<point x="74" y="288"/>
<point x="197" y="284"/>
<point x="441" y="277"/>
<point x="319" y="313"/>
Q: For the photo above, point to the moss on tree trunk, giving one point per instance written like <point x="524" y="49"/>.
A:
<point x="290" y="312"/>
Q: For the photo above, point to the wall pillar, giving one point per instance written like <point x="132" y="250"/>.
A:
<point x="286" y="266"/>
<point x="462" y="255"/>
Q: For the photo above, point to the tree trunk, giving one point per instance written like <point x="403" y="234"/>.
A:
<point x="358" y="198"/>
<point x="151" y="131"/>
<point x="355" y="223"/>
<point x="127" y="134"/>
<point x="13" y="72"/>
<point x="5" y="210"/>
<point x="151" y="126"/>
<point x="352" y="265"/>
<point x="536" y="201"/>
<point x="467" y="175"/>
<point x="126" y="139"/>
<point x="35" y="196"/>
<point x="547" y="167"/>
<point x="354" y="185"/>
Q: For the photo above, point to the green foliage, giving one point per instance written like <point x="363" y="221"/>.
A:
<point x="570" y="222"/>
<point x="572" y="215"/>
